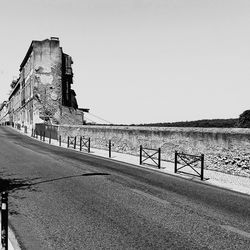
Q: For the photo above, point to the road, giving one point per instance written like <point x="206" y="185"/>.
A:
<point x="62" y="199"/>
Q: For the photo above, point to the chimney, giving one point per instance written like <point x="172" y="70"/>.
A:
<point x="54" y="38"/>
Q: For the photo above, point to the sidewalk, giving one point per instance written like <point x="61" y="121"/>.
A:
<point x="211" y="177"/>
<point x="232" y="182"/>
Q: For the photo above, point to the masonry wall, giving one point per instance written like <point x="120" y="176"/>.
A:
<point x="71" y="116"/>
<point x="47" y="79"/>
<point x="226" y="150"/>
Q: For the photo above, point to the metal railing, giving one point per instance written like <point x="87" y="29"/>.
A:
<point x="148" y="156"/>
<point x="190" y="161"/>
<point x="51" y="131"/>
<point x="85" y="143"/>
<point x="153" y="154"/>
<point x="71" y="141"/>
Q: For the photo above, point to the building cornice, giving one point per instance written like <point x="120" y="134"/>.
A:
<point x="15" y="89"/>
<point x="26" y="56"/>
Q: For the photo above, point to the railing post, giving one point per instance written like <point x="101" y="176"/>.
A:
<point x="175" y="161"/>
<point x="68" y="142"/>
<point x="140" y="154"/>
<point x="4" y="221"/>
<point x="89" y="146"/>
<point x="202" y="167"/>
<point x="109" y="148"/>
<point x="159" y="158"/>
<point x="75" y="143"/>
<point x="50" y="137"/>
<point x="44" y="136"/>
<point x="60" y="140"/>
<point x="80" y="143"/>
<point x="80" y="147"/>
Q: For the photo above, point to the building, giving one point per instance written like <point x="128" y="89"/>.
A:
<point x="4" y="112"/>
<point x="42" y="93"/>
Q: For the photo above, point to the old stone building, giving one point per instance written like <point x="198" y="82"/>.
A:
<point x="42" y="93"/>
<point x="4" y="112"/>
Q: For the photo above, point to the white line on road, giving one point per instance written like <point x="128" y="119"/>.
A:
<point x="236" y="230"/>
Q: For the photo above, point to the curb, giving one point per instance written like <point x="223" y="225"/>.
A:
<point x="223" y="185"/>
<point x="12" y="240"/>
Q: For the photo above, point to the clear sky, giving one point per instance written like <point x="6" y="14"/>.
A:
<point x="140" y="61"/>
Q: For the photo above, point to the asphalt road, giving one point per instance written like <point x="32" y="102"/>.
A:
<point x="61" y="199"/>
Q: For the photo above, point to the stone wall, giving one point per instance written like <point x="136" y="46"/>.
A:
<point x="225" y="150"/>
<point x="71" y="116"/>
<point x="47" y="78"/>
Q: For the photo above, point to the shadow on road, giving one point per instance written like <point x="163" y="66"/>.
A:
<point x="12" y="185"/>
<point x="17" y="184"/>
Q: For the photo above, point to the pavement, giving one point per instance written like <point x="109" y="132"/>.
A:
<point x="211" y="177"/>
<point x="215" y="178"/>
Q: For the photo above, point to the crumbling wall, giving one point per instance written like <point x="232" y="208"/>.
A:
<point x="47" y="80"/>
<point x="71" y="116"/>
<point x="48" y="86"/>
<point x="225" y="150"/>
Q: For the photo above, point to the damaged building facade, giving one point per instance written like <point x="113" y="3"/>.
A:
<point x="42" y="93"/>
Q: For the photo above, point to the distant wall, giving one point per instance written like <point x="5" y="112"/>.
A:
<point x="226" y="150"/>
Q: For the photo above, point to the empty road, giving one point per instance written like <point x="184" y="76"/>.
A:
<point x="61" y="199"/>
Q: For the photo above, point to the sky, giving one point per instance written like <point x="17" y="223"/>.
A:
<point x="140" y="61"/>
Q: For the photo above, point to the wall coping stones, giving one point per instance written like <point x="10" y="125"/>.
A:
<point x="232" y="131"/>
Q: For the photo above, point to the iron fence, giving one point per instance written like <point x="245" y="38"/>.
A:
<point x="150" y="154"/>
<point x="188" y="160"/>
<point x="49" y="131"/>
<point x="85" y="143"/>
<point x="71" y="141"/>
